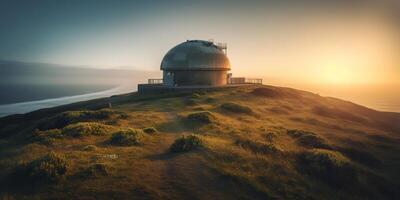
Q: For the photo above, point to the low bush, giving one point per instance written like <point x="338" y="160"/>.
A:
<point x="63" y="119"/>
<point x="95" y="170"/>
<point x="210" y="100"/>
<point x="236" y="108"/>
<point x="201" y="117"/>
<point x="150" y="130"/>
<point x="308" y="139"/>
<point x="200" y="108"/>
<point x="361" y="156"/>
<point x="270" y="136"/>
<point x="266" y="92"/>
<point x="87" y="128"/>
<point x="186" y="143"/>
<point x="327" y="165"/>
<point x="312" y="141"/>
<point x="49" y="168"/>
<point x="90" y="148"/>
<point x="295" y="133"/>
<point x="195" y="95"/>
<point x="127" y="137"/>
<point x="258" y="147"/>
<point x="47" y="137"/>
<point x="337" y="113"/>
<point x="190" y="101"/>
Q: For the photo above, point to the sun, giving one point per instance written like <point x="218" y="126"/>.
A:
<point x="342" y="69"/>
<point x="337" y="73"/>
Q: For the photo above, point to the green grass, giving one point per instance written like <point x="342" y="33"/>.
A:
<point x="308" y="139"/>
<point x="236" y="108"/>
<point x="49" y="168"/>
<point x="204" y="117"/>
<point x="150" y="130"/>
<point x="267" y="92"/>
<point x="63" y="119"/>
<point x="258" y="147"/>
<point x="186" y="143"/>
<point x="86" y="129"/>
<point x="47" y="137"/>
<point x="330" y="166"/>
<point x="89" y="148"/>
<point x="95" y="170"/>
<point x="113" y="154"/>
<point x="129" y="137"/>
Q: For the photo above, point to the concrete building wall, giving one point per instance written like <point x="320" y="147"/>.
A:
<point x="201" y="77"/>
<point x="168" y="78"/>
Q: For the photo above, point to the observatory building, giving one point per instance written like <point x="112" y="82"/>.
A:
<point x="195" y="64"/>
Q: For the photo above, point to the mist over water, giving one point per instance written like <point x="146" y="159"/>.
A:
<point x="30" y="86"/>
<point x="381" y="97"/>
<point x="27" y="87"/>
<point x="24" y="107"/>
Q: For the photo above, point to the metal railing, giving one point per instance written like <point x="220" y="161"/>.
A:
<point x="236" y="80"/>
<point x="243" y="80"/>
<point x="254" y="80"/>
<point x="155" y="81"/>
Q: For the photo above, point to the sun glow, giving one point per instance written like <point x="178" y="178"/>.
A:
<point x="342" y="69"/>
<point x="336" y="73"/>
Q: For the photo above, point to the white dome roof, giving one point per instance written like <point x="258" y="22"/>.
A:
<point x="195" y="55"/>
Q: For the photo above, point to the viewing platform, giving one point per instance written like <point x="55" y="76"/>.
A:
<point x="157" y="86"/>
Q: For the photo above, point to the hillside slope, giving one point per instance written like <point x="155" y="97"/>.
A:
<point x="251" y="142"/>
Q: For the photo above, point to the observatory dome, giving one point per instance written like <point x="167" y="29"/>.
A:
<point x="195" y="55"/>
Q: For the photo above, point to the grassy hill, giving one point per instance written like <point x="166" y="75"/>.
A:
<point x="251" y="142"/>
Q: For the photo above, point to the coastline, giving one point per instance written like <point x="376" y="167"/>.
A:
<point x="25" y="107"/>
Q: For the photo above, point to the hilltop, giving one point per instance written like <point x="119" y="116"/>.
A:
<point x="249" y="142"/>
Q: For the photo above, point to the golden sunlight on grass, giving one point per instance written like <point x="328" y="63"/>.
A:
<point x="251" y="142"/>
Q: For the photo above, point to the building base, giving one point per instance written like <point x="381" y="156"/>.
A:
<point x="160" y="88"/>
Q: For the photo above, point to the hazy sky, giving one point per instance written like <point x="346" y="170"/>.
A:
<point x="334" y="42"/>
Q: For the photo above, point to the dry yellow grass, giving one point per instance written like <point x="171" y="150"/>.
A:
<point x="243" y="155"/>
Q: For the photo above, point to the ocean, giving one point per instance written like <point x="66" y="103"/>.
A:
<point x="61" y="99"/>
<point x="26" y="87"/>
<point x="16" y="93"/>
<point x="22" y="99"/>
<point x="381" y="97"/>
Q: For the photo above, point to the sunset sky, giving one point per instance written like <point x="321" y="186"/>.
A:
<point x="340" y="42"/>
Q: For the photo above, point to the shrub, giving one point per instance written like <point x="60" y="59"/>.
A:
<point x="201" y="117"/>
<point x="47" y="137"/>
<point x="337" y="113"/>
<point x="327" y="165"/>
<point x="258" y="147"/>
<point x="87" y="128"/>
<point x="361" y="156"/>
<point x="186" y="143"/>
<point x="48" y="168"/>
<point x="127" y="137"/>
<point x="270" y="136"/>
<point x="266" y="92"/>
<point x="191" y="101"/>
<point x="63" y="119"/>
<point x="308" y="139"/>
<point x="199" y="108"/>
<point x="295" y="133"/>
<point x="150" y="130"/>
<point x="236" y="108"/>
<point x="95" y="170"/>
<point x="312" y="141"/>
<point x="210" y="100"/>
<point x="90" y="148"/>
<point x="195" y="95"/>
